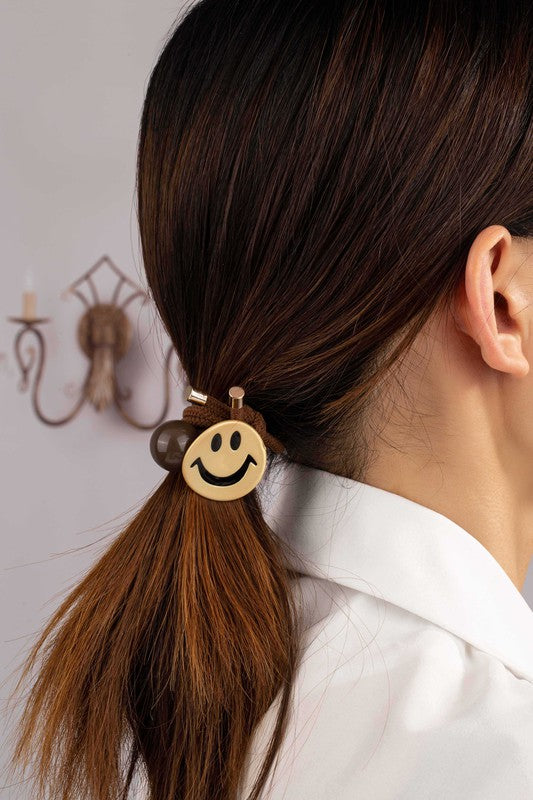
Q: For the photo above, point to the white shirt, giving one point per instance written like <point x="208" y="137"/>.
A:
<point x="416" y="681"/>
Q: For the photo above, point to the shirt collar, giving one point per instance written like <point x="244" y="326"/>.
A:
<point x="387" y="545"/>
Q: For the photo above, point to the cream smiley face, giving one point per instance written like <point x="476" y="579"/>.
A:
<point x="225" y="461"/>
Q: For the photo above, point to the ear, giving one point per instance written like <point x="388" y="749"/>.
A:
<point x="489" y="301"/>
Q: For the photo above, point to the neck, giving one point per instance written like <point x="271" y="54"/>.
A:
<point x="464" y="462"/>
<point x="479" y="500"/>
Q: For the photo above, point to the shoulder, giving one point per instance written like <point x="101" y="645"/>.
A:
<point x="388" y="705"/>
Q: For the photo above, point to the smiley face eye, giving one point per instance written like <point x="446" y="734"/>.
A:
<point x="235" y="440"/>
<point x="216" y="441"/>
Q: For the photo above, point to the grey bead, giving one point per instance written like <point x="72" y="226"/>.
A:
<point x="169" y="442"/>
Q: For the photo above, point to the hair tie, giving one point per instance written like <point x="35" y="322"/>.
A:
<point x="227" y="459"/>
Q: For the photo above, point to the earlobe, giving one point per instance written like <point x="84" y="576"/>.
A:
<point x="489" y="299"/>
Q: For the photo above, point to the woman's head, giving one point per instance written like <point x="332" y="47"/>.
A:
<point x="311" y="179"/>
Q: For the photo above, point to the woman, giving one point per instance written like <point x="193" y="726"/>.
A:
<point x="335" y="208"/>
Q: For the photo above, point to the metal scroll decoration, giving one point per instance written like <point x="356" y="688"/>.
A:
<point x="104" y="335"/>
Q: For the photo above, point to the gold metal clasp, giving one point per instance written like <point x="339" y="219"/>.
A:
<point x="195" y="396"/>
<point x="236" y="394"/>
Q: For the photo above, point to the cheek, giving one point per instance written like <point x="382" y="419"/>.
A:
<point x="247" y="448"/>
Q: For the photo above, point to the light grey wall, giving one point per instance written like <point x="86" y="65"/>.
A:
<point x="72" y="79"/>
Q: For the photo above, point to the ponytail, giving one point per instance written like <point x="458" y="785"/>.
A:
<point x="165" y="657"/>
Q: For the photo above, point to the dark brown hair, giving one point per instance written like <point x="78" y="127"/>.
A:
<point x="311" y="176"/>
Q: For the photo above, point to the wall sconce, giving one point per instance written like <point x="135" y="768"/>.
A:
<point x="104" y="335"/>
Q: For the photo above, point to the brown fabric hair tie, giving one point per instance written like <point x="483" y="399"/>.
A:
<point x="228" y="458"/>
<point x="213" y="411"/>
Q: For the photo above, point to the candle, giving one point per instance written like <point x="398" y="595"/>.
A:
<point x="29" y="298"/>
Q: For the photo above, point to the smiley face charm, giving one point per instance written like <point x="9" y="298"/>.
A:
<point x="225" y="461"/>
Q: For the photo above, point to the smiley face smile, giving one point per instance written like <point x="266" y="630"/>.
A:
<point x="224" y="480"/>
